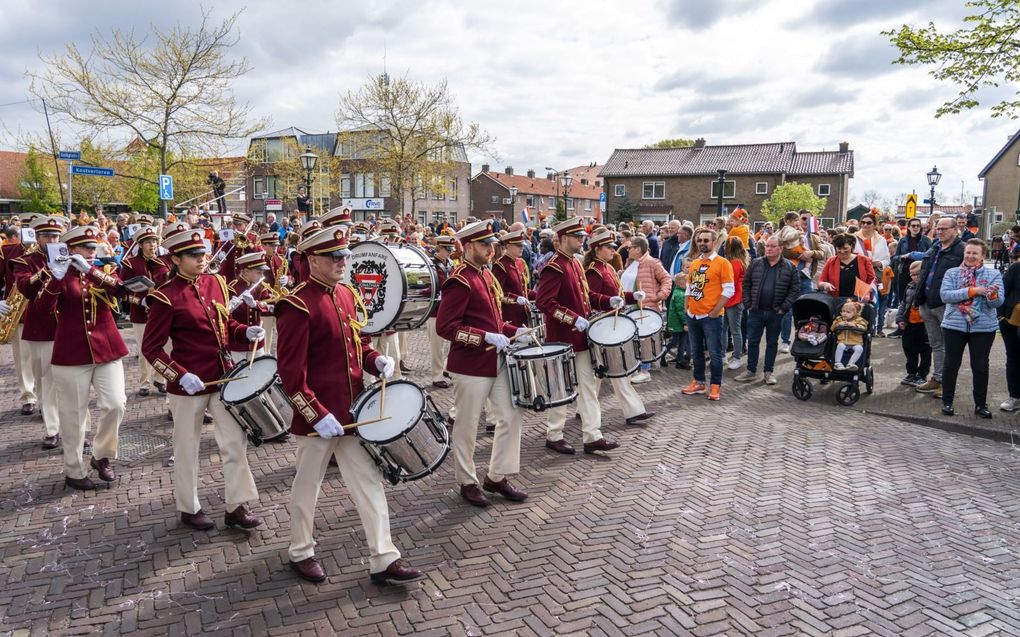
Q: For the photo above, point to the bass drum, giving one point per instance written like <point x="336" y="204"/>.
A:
<point x="398" y="285"/>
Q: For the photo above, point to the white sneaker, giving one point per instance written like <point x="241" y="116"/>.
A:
<point x="785" y="348"/>
<point x="838" y="366"/>
<point x="746" y="376"/>
<point x="640" y="377"/>
<point x="769" y="378"/>
<point x="1010" y="404"/>
<point x="734" y="363"/>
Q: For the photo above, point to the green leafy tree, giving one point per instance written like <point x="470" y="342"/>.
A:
<point x="985" y="53"/>
<point x="561" y="210"/>
<point x="678" y="142"/>
<point x="37" y="186"/>
<point x="792" y="196"/>
<point x="625" y="209"/>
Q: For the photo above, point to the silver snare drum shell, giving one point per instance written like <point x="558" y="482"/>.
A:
<point x="536" y="321"/>
<point x="542" y="376"/>
<point x="651" y="346"/>
<point x="413" y="441"/>
<point x="258" y="403"/>
<point x="612" y="340"/>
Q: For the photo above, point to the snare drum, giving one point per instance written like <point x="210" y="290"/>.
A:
<point x="413" y="441"/>
<point x="612" y="340"/>
<point x="258" y="403"/>
<point x="650" y="328"/>
<point x="398" y="285"/>
<point x="536" y="321"/>
<point x="542" y="376"/>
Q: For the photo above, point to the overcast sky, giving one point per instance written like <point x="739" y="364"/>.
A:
<point x="564" y="83"/>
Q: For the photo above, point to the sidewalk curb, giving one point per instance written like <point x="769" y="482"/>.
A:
<point x="996" y="435"/>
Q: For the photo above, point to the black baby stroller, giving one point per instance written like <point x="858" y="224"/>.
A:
<point x="814" y="349"/>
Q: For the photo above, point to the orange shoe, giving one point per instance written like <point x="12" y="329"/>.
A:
<point x="694" y="388"/>
<point x="714" y="392"/>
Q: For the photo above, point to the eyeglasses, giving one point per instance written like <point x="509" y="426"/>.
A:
<point x="867" y="223"/>
<point x="941" y="228"/>
<point x="915" y="225"/>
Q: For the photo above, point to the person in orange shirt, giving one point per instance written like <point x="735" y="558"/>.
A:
<point x="709" y="287"/>
<point x="915" y="343"/>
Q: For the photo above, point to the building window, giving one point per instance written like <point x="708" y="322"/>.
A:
<point x="530" y="201"/>
<point x="451" y="190"/>
<point x="729" y="190"/>
<point x="453" y="218"/>
<point x="423" y="217"/>
<point x="494" y="199"/>
<point x="385" y="190"/>
<point x="823" y="190"/>
<point x="258" y="188"/>
<point x="653" y="190"/>
<point x="570" y="203"/>
<point x="587" y="205"/>
<point x="761" y="187"/>
<point x="619" y="190"/>
<point x="828" y="222"/>
<point x="345" y="186"/>
<point x="706" y="217"/>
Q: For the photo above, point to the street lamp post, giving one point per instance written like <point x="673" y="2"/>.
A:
<point x="513" y="203"/>
<point x="566" y="180"/>
<point x="722" y="187"/>
<point x="308" y="161"/>
<point x="933" y="180"/>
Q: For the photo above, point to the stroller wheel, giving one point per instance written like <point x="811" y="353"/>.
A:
<point x="869" y="380"/>
<point x="848" y="394"/>
<point x="801" y="389"/>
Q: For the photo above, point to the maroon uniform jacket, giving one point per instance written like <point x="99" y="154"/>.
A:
<point x="563" y="295"/>
<point x="443" y="271"/>
<point x="249" y="315"/>
<point x="602" y="279"/>
<point x="30" y="275"/>
<point x="194" y="314"/>
<point x="274" y="262"/>
<point x="8" y="254"/>
<point x="86" y="330"/>
<point x="298" y="268"/>
<point x="228" y="269"/>
<point x="512" y="275"/>
<point x="154" y="268"/>
<point x="321" y="356"/>
<point x="469" y="308"/>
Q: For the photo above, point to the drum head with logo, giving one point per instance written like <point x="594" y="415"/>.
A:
<point x="253" y="380"/>
<point x="612" y="330"/>
<point x="648" y="322"/>
<point x="404" y="404"/>
<point x="374" y="272"/>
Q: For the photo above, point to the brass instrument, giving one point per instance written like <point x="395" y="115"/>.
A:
<point x="278" y="290"/>
<point x="9" y="322"/>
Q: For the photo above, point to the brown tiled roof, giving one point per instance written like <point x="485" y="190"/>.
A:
<point x="11" y="166"/>
<point x="922" y="209"/>
<point x="739" y="159"/>
<point x="541" y="186"/>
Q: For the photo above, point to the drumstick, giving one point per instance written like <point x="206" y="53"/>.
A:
<point x="251" y="355"/>
<point x="224" y="380"/>
<point x="382" y="397"/>
<point x="616" y="313"/>
<point x="512" y="338"/>
<point x="353" y="425"/>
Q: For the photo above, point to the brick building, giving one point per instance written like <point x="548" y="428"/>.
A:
<point x="490" y="195"/>
<point x="1001" y="196"/>
<point x="683" y="183"/>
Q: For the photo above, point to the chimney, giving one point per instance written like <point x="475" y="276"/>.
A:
<point x="531" y="174"/>
<point x="509" y="170"/>
<point x="699" y="142"/>
<point x="844" y="147"/>
<point x="549" y="176"/>
<point x="485" y="168"/>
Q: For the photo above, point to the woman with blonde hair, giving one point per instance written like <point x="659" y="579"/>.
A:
<point x="736" y="252"/>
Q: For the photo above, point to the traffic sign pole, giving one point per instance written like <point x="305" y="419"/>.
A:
<point x="70" y="189"/>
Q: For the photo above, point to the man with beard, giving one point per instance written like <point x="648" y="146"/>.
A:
<point x="709" y="286"/>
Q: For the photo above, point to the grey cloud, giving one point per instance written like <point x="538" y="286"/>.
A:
<point x="703" y="83"/>
<point x="844" y="13"/>
<point x="858" y="56"/>
<point x="823" y="96"/>
<point x="700" y="14"/>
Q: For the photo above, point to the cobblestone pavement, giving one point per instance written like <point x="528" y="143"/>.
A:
<point x="759" y="514"/>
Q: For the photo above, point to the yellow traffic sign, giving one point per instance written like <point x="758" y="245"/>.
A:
<point x="911" y="206"/>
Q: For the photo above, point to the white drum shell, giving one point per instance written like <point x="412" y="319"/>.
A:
<point x="651" y="334"/>
<point x="397" y="283"/>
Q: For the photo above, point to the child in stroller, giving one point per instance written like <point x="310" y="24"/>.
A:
<point x="849" y="329"/>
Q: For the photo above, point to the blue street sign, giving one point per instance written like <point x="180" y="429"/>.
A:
<point x="602" y="196"/>
<point x="166" y="187"/>
<point x="926" y="201"/>
<point x="92" y="171"/>
<point x="69" y="155"/>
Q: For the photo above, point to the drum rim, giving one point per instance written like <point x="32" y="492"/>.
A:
<point x="567" y="347"/>
<point x="403" y="285"/>
<point x="368" y="392"/>
<point x="609" y="315"/>
<point x="242" y="365"/>
<point x="662" y="321"/>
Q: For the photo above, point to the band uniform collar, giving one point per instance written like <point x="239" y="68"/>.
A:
<point x="329" y="287"/>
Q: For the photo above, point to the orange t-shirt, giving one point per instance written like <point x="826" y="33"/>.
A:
<point x="708" y="279"/>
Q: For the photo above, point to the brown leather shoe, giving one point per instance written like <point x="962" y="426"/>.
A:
<point x="560" y="446"/>
<point x="490" y="429"/>
<point x="309" y="570"/>
<point x="473" y="495"/>
<point x="51" y="442"/>
<point x="207" y="418"/>
<point x="143" y="392"/>
<point x="505" y="489"/>
<point x="106" y="473"/>
<point x="399" y="572"/>
<point x="28" y="409"/>
<point x="633" y="420"/>
<point x="81" y="484"/>
<point x="199" y="521"/>
<point x="240" y="518"/>
<point x="441" y="384"/>
<point x="404" y="367"/>
<point x="600" y="445"/>
<point x="160" y="387"/>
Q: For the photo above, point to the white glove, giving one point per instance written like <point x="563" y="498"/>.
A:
<point x="329" y="427"/>
<point x="58" y="270"/>
<point x="522" y="301"/>
<point x="248" y="299"/>
<point x="283" y="280"/>
<point x="639" y="296"/>
<point x="270" y="307"/>
<point x="220" y="258"/>
<point x="498" y="340"/>
<point x="235" y="302"/>
<point x="254" y="333"/>
<point x="144" y="302"/>
<point x="616" y="302"/>
<point x="521" y="337"/>
<point x="386" y="366"/>
<point x="581" y="323"/>
<point x="80" y="263"/>
<point x="5" y="308"/>
<point x="192" y="384"/>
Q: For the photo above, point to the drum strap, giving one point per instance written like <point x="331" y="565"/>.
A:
<point x="355" y="325"/>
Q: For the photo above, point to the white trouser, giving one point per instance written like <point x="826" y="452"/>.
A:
<point x="402" y="342"/>
<point x="630" y="402"/>
<point x="23" y="368"/>
<point x="40" y="353"/>
<point x="147" y="373"/>
<point x="269" y="325"/>
<point x="237" y="357"/>
<point x="587" y="404"/>
<point x="438" y="347"/>
<point x="364" y="483"/>
<point x="239" y="485"/>
<point x="387" y="345"/>
<point x="73" y="383"/>
<point x="469" y="394"/>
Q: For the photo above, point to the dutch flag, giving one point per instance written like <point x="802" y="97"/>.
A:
<point x="812" y="225"/>
<point x="524" y="215"/>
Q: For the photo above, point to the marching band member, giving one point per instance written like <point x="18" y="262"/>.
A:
<point x="322" y="360"/>
<point x="22" y="358"/>
<point x="87" y="349"/>
<point x="564" y="298"/>
<point x="602" y="279"/>
<point x="39" y="324"/>
<point x="143" y="260"/>
<point x="166" y="232"/>
<point x="248" y="302"/>
<point x="276" y="280"/>
<point x="242" y="243"/>
<point x="299" y="262"/>
<point x="512" y="274"/>
<point x="359" y="233"/>
<point x="337" y="217"/>
<point x="437" y="344"/>
<point x="190" y="310"/>
<point x="469" y="317"/>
